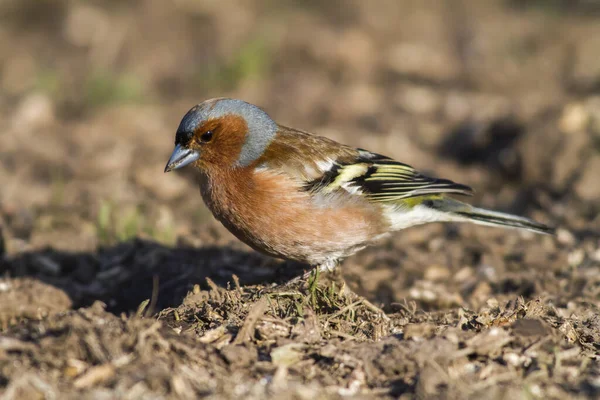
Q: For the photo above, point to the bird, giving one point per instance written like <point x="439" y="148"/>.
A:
<point x="298" y="196"/>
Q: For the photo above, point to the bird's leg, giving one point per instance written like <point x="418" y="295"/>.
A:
<point x="328" y="266"/>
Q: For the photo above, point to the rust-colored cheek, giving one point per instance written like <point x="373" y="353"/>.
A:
<point x="229" y="135"/>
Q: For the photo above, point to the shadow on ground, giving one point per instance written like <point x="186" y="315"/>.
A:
<point x="125" y="275"/>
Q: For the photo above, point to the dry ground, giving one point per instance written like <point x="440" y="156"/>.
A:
<point x="116" y="282"/>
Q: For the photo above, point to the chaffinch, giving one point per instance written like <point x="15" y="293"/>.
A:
<point x="297" y="196"/>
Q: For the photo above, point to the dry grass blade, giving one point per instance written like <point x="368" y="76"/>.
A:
<point x="245" y="333"/>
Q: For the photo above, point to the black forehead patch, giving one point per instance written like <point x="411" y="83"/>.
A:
<point x="188" y="126"/>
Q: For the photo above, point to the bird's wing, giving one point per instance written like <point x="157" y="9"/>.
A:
<point x="382" y="179"/>
<point x="304" y="156"/>
<point x="324" y="166"/>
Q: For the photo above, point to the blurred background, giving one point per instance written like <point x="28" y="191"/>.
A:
<point x="501" y="95"/>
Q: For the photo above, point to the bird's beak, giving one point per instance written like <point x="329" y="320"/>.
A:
<point x="181" y="157"/>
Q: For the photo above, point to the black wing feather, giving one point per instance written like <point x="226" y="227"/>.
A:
<point x="384" y="179"/>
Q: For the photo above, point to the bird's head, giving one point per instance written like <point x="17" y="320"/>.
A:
<point x="223" y="133"/>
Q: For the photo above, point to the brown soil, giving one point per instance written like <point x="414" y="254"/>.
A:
<point x="116" y="282"/>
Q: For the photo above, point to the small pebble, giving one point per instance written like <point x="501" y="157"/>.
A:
<point x="436" y="273"/>
<point x="565" y="237"/>
<point x="576" y="257"/>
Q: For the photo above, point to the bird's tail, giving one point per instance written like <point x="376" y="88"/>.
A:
<point x="459" y="211"/>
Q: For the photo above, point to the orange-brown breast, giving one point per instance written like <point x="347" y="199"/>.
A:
<point x="273" y="214"/>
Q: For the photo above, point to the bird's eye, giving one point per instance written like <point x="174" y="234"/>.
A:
<point x="206" y="136"/>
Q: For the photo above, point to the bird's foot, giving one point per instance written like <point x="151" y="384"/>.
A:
<point x="327" y="267"/>
<point x="297" y="280"/>
<point x="311" y="278"/>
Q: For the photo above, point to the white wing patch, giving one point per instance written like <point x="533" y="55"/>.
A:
<point x="325" y="165"/>
<point x="352" y="188"/>
<point x="365" y="154"/>
<point x="318" y="168"/>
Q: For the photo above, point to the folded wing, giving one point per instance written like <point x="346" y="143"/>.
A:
<point x="382" y="179"/>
